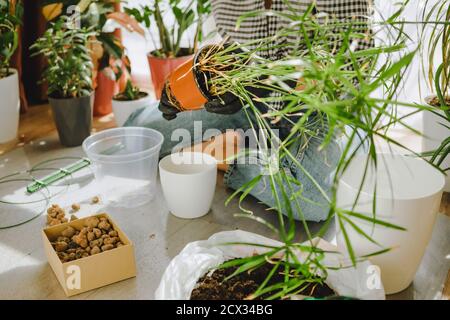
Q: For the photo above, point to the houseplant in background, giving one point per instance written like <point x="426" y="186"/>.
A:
<point x="110" y="64"/>
<point x="10" y="20"/>
<point x="69" y="78"/>
<point x="436" y="121"/>
<point x="169" y="53"/>
<point x="331" y="103"/>
<point x="128" y="101"/>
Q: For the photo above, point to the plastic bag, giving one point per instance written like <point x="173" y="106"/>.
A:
<point x="199" y="257"/>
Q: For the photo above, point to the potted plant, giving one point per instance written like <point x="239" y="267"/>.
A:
<point x="69" y="78"/>
<point x="10" y="20"/>
<point x="337" y="86"/>
<point x="169" y="53"/>
<point x="128" y="101"/>
<point x="436" y="121"/>
<point x="110" y="64"/>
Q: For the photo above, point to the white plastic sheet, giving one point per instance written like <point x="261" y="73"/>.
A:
<point x="197" y="258"/>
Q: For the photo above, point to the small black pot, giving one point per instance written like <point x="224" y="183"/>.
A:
<point x="73" y="119"/>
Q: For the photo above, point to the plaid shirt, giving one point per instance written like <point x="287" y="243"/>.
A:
<point x="227" y="12"/>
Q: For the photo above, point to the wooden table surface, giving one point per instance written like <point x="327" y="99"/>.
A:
<point x="158" y="236"/>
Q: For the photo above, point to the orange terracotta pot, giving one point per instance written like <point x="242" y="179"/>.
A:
<point x="185" y="88"/>
<point x="161" y="68"/>
<point x="106" y="89"/>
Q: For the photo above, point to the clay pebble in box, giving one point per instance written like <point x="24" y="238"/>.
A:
<point x="75" y="264"/>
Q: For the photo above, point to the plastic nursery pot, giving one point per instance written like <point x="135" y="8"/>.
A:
<point x="10" y="107"/>
<point x="73" y="119"/>
<point x="408" y="195"/>
<point x="161" y="68"/>
<point x="434" y="133"/>
<point x="187" y="85"/>
<point x="106" y="89"/>
<point x="125" y="164"/>
<point x="124" y="108"/>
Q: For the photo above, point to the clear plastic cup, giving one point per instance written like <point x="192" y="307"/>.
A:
<point x="125" y="164"/>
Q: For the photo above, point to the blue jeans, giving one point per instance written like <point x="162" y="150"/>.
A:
<point x="320" y="164"/>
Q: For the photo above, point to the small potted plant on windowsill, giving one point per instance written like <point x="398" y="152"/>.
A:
<point x="436" y="122"/>
<point x="69" y="78"/>
<point x="128" y="101"/>
<point x="10" y="15"/>
<point x="169" y="54"/>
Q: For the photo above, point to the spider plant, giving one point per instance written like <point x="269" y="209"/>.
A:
<point x="170" y="35"/>
<point x="438" y="72"/>
<point x="336" y="99"/>
<point x="10" y="20"/>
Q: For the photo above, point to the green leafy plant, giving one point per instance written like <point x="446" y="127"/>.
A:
<point x="170" y="36"/>
<point x="93" y="14"/>
<point x="10" y="20"/>
<point x="335" y="100"/>
<point x="69" y="71"/>
<point x="438" y="73"/>
<point x="130" y="93"/>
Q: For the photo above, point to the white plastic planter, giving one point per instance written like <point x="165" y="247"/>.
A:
<point x="9" y="107"/>
<point x="123" y="109"/>
<point x="433" y="135"/>
<point x="409" y="192"/>
<point x="199" y="257"/>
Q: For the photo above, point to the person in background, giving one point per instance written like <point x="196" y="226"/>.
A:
<point x="319" y="163"/>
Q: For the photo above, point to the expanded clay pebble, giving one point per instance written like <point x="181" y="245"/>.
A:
<point x="107" y="247"/>
<point x="95" y="200"/>
<point x="68" y="232"/>
<point x="95" y="237"/>
<point x="104" y="225"/>
<point x="56" y="215"/>
<point x="95" y="250"/>
<point x="92" y="222"/>
<point x="75" y="207"/>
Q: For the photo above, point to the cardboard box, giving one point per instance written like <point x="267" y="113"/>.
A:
<point x="92" y="272"/>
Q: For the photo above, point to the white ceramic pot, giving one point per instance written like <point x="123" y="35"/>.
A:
<point x="409" y="192"/>
<point x="123" y="109"/>
<point x="188" y="181"/>
<point x="9" y="107"/>
<point x="433" y="135"/>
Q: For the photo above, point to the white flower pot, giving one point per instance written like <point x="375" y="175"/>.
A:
<point x="433" y="135"/>
<point x="409" y="192"/>
<point x="199" y="257"/>
<point x="123" y="109"/>
<point x="9" y="106"/>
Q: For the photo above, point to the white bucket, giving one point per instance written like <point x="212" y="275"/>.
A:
<point x="9" y="106"/>
<point x="434" y="132"/>
<point x="409" y="192"/>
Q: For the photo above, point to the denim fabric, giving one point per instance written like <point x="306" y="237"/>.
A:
<point x="320" y="164"/>
<point x="151" y="117"/>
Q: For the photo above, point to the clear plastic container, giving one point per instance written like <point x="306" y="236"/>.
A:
<point x="125" y="164"/>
